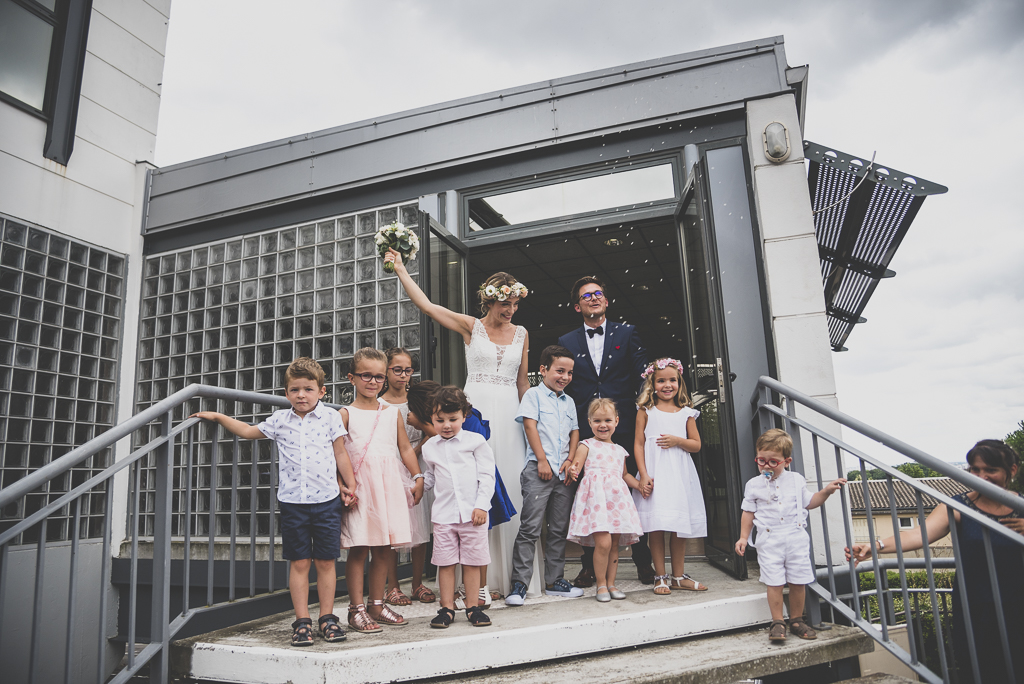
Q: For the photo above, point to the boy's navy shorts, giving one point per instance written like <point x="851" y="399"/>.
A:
<point x="311" y="530"/>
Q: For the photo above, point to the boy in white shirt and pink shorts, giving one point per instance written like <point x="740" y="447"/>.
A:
<point x="460" y="470"/>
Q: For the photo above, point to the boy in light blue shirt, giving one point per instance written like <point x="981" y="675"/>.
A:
<point x="548" y="416"/>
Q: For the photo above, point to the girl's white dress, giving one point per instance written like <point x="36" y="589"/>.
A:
<point x="603" y="503"/>
<point x="419" y="515"/>
<point x="491" y="388"/>
<point x="677" y="503"/>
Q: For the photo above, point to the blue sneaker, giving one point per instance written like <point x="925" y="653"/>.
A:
<point x="517" y="596"/>
<point x="562" y="588"/>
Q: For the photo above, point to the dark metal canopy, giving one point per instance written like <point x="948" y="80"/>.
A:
<point x="862" y="211"/>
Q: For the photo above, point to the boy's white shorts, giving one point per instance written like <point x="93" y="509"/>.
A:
<point x="784" y="556"/>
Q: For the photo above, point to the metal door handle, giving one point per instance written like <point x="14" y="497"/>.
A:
<point x="721" y="380"/>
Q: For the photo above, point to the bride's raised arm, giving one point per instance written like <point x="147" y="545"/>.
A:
<point x="456" y="322"/>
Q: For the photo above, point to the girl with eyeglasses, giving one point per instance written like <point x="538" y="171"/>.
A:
<point x="396" y="393"/>
<point x="383" y="461"/>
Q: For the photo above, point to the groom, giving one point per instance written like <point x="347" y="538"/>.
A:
<point x="609" y="360"/>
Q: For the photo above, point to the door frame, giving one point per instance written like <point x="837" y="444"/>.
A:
<point x="428" y="339"/>
<point x="696" y="190"/>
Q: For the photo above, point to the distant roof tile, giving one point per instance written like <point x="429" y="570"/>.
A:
<point x="905" y="498"/>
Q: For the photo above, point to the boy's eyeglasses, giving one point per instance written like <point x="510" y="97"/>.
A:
<point x="401" y="371"/>
<point x="770" y="462"/>
<point x="370" y="377"/>
<point x="596" y="294"/>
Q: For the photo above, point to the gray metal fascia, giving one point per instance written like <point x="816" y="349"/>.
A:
<point x="480" y="127"/>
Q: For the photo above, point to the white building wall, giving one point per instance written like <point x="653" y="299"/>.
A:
<point x="796" y="299"/>
<point x="96" y="198"/>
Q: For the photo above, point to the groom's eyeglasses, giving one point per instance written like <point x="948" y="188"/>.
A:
<point x="596" y="294"/>
<point x="401" y="371"/>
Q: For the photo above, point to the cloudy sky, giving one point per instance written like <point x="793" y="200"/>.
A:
<point x="934" y="86"/>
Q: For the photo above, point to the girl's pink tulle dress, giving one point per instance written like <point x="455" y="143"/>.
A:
<point x="381" y="516"/>
<point x="603" y="503"/>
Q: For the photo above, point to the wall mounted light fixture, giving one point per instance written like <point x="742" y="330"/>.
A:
<point x="776" y="142"/>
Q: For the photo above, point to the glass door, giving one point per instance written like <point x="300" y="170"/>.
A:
<point x="717" y="461"/>
<point x="444" y="280"/>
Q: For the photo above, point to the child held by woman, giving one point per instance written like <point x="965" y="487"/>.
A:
<point x="603" y="514"/>
<point x="669" y="498"/>
<point x="380" y="519"/>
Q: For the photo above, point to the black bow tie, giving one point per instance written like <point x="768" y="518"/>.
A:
<point x="595" y="331"/>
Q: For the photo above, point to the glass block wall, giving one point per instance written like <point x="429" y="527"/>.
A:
<point x="234" y="313"/>
<point x="61" y="305"/>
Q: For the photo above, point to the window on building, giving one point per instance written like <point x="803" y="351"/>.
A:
<point x="42" y="52"/>
<point x="906" y="523"/>
<point x="234" y="313"/>
<point x="26" y="42"/>
<point x="622" y="187"/>
<point x="61" y="305"/>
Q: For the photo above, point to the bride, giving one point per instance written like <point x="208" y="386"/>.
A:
<point x="496" y="362"/>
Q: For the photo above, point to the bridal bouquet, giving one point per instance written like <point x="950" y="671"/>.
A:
<point x="399" y="238"/>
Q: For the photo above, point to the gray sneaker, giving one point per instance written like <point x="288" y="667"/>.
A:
<point x="562" y="588"/>
<point x="517" y="596"/>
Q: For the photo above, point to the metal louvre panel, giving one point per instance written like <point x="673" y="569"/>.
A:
<point x="861" y="214"/>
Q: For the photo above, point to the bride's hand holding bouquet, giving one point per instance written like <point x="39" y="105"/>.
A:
<point x="395" y="237"/>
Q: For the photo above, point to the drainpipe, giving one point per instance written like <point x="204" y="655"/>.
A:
<point x="690" y="157"/>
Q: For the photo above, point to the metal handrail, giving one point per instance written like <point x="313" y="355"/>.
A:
<point x="849" y="604"/>
<point x="962" y="476"/>
<point x="166" y="622"/>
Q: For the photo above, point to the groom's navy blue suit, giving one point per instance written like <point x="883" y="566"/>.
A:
<point x="624" y="360"/>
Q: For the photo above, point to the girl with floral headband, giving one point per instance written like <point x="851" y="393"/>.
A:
<point x="496" y="380"/>
<point x="669" y="498"/>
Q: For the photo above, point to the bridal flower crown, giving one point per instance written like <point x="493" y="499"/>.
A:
<point x="662" y="364"/>
<point x="502" y="293"/>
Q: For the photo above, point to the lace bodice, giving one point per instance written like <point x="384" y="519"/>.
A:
<point x="490" y="363"/>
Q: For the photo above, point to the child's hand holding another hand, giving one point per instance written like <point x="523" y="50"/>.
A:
<point x="479" y="516"/>
<point x="646" y="485"/>
<point x="417" y="491"/>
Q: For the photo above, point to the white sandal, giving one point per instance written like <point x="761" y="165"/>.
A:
<point x="661" y="582"/>
<point x="677" y="583"/>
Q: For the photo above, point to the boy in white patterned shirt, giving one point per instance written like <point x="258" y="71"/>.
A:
<point x="311" y="448"/>
<point x="460" y="470"/>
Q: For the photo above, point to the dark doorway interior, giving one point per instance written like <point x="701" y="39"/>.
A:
<point x="639" y="264"/>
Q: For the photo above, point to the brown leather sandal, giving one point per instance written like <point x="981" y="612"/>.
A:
<point x="387" y="616"/>
<point x="424" y="595"/>
<point x="360" y="621"/>
<point x="396" y="598"/>
<point x="777" y="631"/>
<point x="802" y="630"/>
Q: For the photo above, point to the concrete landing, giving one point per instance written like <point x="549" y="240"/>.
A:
<point x="543" y="630"/>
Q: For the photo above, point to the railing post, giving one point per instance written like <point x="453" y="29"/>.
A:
<point x="794" y="432"/>
<point x="159" y="630"/>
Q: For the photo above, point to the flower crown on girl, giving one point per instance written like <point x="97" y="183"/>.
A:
<point x="662" y="364"/>
<point x="502" y="293"/>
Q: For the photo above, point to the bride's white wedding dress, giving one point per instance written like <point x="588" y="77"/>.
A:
<point x="491" y="388"/>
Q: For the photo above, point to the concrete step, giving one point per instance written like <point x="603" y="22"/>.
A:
<point x="546" y="629"/>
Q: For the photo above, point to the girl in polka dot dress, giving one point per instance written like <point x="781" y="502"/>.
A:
<point x="603" y="515"/>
